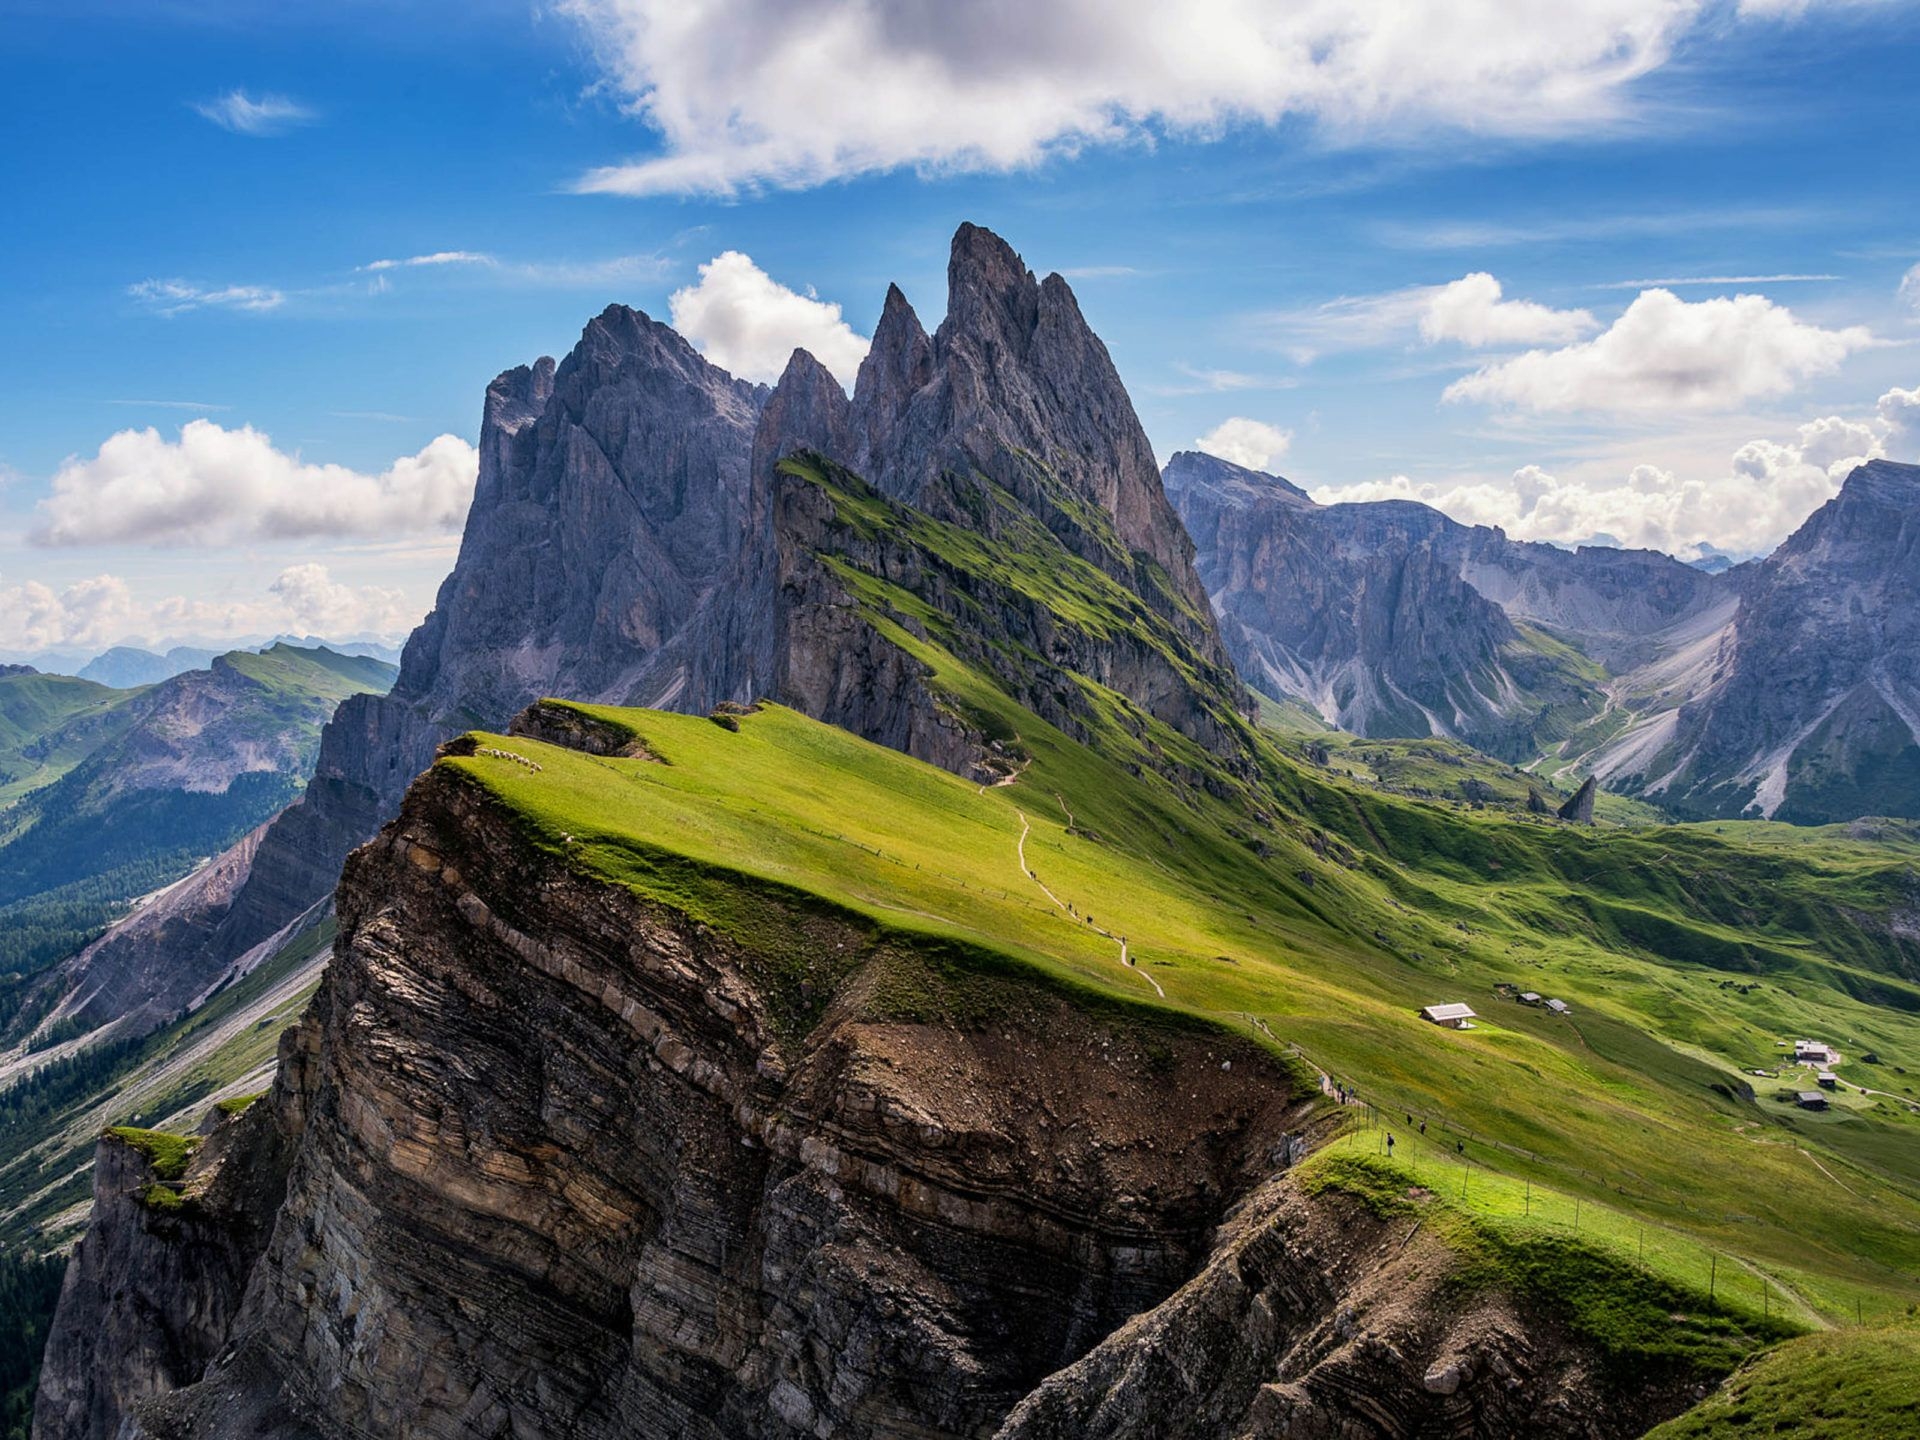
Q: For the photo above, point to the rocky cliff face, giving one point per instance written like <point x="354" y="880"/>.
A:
<point x="1390" y="619"/>
<point x="568" y="1162"/>
<point x="1813" y="714"/>
<point x="627" y="544"/>
<point x="152" y="1290"/>
<point x="567" y="1167"/>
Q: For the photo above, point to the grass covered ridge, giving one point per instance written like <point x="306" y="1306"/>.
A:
<point x="1860" y="1383"/>
<point x="1630" y="1107"/>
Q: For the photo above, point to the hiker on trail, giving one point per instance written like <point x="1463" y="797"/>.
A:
<point x="1460" y="1146"/>
<point x="1423" y="1127"/>
<point x="1389" y="1145"/>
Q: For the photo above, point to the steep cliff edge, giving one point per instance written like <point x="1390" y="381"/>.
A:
<point x="605" y="1123"/>
<point x="1814" y="711"/>
<point x="577" y="1163"/>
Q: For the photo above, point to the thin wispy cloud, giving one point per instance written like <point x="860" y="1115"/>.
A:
<point x="438" y="257"/>
<point x="1205" y="381"/>
<point x="1100" y="272"/>
<point x="265" y="116"/>
<point x="382" y="415"/>
<point x="1484" y="234"/>
<point x="176" y="297"/>
<point x="172" y="404"/>
<point x="609" y="270"/>
<point x="1670" y="281"/>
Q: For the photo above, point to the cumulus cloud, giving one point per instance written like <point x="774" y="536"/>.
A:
<point x="1470" y="311"/>
<point x="1767" y="489"/>
<point x="94" y="611"/>
<point x="244" y="115"/>
<point x="314" y="603"/>
<point x="748" y="323"/>
<point x="789" y="93"/>
<point x="1252" y="443"/>
<point x="1665" y="353"/>
<point x="175" y="297"/>
<point x="103" y="610"/>
<point x="217" y="486"/>
<point x="1899" y="411"/>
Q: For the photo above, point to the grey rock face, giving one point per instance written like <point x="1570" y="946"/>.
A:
<point x="1579" y="809"/>
<point x="1814" y="711"/>
<point x="1016" y="390"/>
<point x="152" y="1290"/>
<point x="1392" y="620"/>
<point x="561" y="1172"/>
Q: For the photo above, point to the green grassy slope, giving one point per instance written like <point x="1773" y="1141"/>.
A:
<point x="183" y="769"/>
<point x="50" y="723"/>
<point x="1628" y="1104"/>
<point x="1853" y="1384"/>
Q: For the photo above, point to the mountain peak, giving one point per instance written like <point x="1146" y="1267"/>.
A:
<point x="1234" y="484"/>
<point x="990" y="292"/>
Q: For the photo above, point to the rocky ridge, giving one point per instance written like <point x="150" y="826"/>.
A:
<point x="1390" y="619"/>
<point x="627" y="543"/>
<point x="553" y="1159"/>
<point x="1813" y="710"/>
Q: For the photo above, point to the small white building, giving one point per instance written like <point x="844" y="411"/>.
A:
<point x="1529" y="997"/>
<point x="1455" y="1015"/>
<point x="1815" y="1052"/>
<point x="1559" y="1007"/>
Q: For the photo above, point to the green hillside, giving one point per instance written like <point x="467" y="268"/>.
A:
<point x="136" y="787"/>
<point x="50" y="723"/>
<point x="1318" y="911"/>
<point x="1855" y="1384"/>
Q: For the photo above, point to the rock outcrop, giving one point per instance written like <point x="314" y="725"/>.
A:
<point x="566" y="1166"/>
<point x="1813" y="714"/>
<point x="152" y="1290"/>
<point x="1579" y="809"/>
<point x="1390" y="619"/>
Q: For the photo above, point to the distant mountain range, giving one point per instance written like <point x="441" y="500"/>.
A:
<point x="1783" y="688"/>
<point x="123" y="666"/>
<point x="111" y="793"/>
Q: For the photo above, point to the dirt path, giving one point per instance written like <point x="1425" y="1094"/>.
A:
<point x="1126" y="959"/>
<point x="1828" y="1173"/>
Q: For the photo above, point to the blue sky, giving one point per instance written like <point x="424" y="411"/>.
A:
<point x="200" y="195"/>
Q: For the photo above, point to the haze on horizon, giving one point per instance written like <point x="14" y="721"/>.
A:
<point x="1629" y="269"/>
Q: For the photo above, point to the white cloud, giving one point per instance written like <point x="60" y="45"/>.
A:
<point x="1768" y="488"/>
<point x="748" y="323"/>
<point x="788" y="93"/>
<point x="89" y="612"/>
<point x="174" y="297"/>
<point x="580" y="274"/>
<point x="1472" y="312"/>
<point x="1666" y="353"/>
<point x="1252" y="443"/>
<point x="438" y="257"/>
<point x="216" y="486"/>
<point x="1899" y="411"/>
<point x="241" y="113"/>
<point x="1910" y="289"/>
<point x="1670" y="281"/>
<point x="103" y="610"/>
<point x="316" y="604"/>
